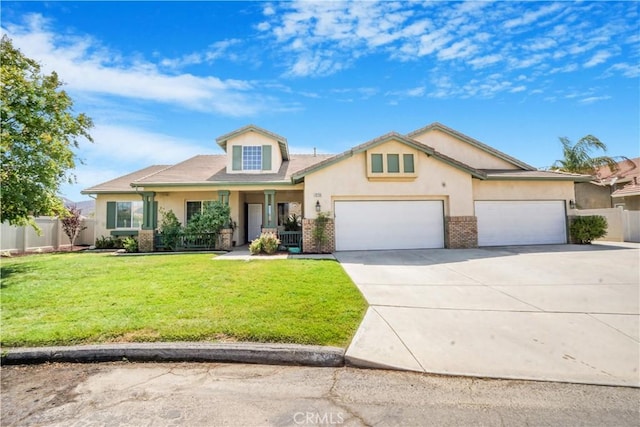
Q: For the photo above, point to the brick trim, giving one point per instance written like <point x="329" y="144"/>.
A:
<point x="461" y="232"/>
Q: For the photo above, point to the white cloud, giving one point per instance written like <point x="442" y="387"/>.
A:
<point x="87" y="67"/>
<point x="600" y="57"/>
<point x="592" y="99"/>
<point x="532" y="16"/>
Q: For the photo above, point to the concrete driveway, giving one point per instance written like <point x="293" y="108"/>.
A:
<point x="558" y="313"/>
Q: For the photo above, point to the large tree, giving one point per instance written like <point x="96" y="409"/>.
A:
<point x="38" y="134"/>
<point x="578" y="159"/>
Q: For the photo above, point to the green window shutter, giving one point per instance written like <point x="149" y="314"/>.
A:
<point x="237" y="158"/>
<point x="266" y="157"/>
<point x="407" y="160"/>
<point x="111" y="215"/>
<point x="393" y="163"/>
<point x="376" y="163"/>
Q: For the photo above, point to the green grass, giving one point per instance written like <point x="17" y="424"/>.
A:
<point x="76" y="298"/>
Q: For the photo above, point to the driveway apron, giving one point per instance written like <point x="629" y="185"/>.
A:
<point x="556" y="313"/>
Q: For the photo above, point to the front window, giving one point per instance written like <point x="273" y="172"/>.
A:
<point x="129" y="214"/>
<point x="252" y="158"/>
<point x="196" y="207"/>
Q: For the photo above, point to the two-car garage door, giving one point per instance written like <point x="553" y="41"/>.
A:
<point x="397" y="224"/>
<point x="530" y="222"/>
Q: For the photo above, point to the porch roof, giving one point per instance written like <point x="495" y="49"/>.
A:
<point x="204" y="170"/>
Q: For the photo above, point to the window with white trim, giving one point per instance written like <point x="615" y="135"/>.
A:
<point x="252" y="157"/>
<point x="129" y="214"/>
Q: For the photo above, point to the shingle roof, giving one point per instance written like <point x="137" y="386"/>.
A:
<point x="211" y="169"/>
<point x="122" y="184"/>
<point x="494" y="174"/>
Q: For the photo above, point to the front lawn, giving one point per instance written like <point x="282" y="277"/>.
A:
<point x="78" y="298"/>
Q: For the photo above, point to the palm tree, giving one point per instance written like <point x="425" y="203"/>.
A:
<point x="577" y="157"/>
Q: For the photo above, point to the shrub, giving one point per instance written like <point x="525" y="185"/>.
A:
<point x="584" y="229"/>
<point x="72" y="224"/>
<point x="256" y="246"/>
<point x="130" y="244"/>
<point x="267" y="243"/>
<point x="170" y="229"/>
<point x="213" y="218"/>
<point x="103" y="242"/>
<point x="293" y="223"/>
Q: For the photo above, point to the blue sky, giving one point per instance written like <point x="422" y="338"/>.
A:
<point x="162" y="80"/>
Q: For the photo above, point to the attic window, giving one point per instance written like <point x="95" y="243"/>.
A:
<point x="252" y="158"/>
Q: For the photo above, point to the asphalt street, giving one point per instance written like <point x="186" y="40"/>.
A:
<point x="208" y="394"/>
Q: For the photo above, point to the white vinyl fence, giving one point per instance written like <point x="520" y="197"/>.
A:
<point x="52" y="237"/>
<point x="623" y="225"/>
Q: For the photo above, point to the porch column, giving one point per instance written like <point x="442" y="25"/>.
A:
<point x="269" y="215"/>
<point x="223" y="196"/>
<point x="148" y="210"/>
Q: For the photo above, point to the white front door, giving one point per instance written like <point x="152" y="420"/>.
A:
<point x="254" y="227"/>
<point x="398" y="224"/>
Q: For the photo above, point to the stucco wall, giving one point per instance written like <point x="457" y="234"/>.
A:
<point x="591" y="196"/>
<point x="523" y="190"/>
<point x="462" y="151"/>
<point x="254" y="139"/>
<point x="347" y="180"/>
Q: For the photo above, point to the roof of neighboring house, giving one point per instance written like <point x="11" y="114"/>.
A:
<point x="381" y="140"/>
<point x="626" y="171"/>
<point x="122" y="184"/>
<point x="627" y="190"/>
<point x="282" y="141"/>
<point x="473" y="142"/>
<point x="536" y="175"/>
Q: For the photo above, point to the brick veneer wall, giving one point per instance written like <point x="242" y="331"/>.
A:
<point x="309" y="246"/>
<point x="225" y="239"/>
<point x="145" y="240"/>
<point x="461" y="232"/>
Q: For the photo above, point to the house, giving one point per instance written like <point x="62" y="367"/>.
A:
<point x="431" y="188"/>
<point x="617" y="188"/>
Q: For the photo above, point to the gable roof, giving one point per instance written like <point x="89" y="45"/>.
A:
<point x="391" y="136"/>
<point x="281" y="140"/>
<point x="473" y="142"/>
<point x="122" y="184"/>
<point x="206" y="169"/>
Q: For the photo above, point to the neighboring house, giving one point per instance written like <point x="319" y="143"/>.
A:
<point x="617" y="188"/>
<point x="432" y="188"/>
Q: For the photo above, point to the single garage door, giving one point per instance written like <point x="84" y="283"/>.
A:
<point x="362" y="225"/>
<point x="521" y="222"/>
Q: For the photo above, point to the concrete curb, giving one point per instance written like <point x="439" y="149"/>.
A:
<point x="256" y="353"/>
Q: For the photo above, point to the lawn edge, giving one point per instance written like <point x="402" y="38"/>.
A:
<point x="255" y="353"/>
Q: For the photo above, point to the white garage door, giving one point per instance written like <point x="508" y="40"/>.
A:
<point x="402" y="224"/>
<point x="521" y="222"/>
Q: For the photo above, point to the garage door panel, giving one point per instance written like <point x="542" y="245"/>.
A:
<point x="362" y="225"/>
<point x="521" y="222"/>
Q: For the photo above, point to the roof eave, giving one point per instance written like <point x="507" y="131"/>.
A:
<point x="473" y="142"/>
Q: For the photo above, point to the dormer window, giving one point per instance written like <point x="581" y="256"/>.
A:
<point x="252" y="158"/>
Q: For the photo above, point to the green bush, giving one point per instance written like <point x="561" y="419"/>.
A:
<point x="130" y="244"/>
<point x="213" y="218"/>
<point x="103" y="242"/>
<point x="267" y="243"/>
<point x="170" y="229"/>
<point x="584" y="229"/>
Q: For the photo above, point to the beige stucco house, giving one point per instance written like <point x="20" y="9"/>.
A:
<point x="432" y="188"/>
